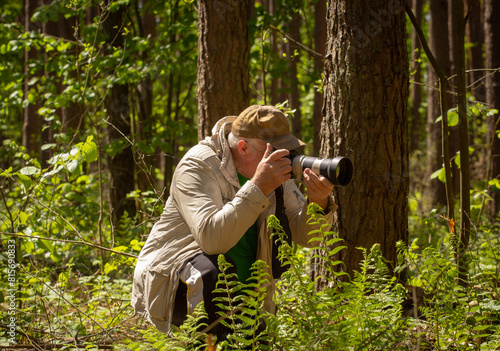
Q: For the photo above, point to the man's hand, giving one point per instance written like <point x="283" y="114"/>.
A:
<point x="273" y="170"/>
<point x="318" y="188"/>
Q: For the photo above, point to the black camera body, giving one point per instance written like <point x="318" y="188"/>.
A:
<point x="338" y="170"/>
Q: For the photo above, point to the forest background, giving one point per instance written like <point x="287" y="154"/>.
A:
<point x="99" y="100"/>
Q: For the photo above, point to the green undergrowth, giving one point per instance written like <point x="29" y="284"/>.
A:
<point x="371" y="311"/>
<point x="61" y="290"/>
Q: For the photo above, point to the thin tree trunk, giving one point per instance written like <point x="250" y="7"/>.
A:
<point x="294" y="93"/>
<point x="416" y="88"/>
<point x="31" y="124"/>
<point x="145" y="122"/>
<point x="320" y="47"/>
<point x="459" y="53"/>
<point x="454" y="133"/>
<point x="492" y="43"/>
<point x="434" y="191"/>
<point x="70" y="114"/>
<point x="475" y="37"/>
<point x="443" y="87"/>
<point x="121" y="165"/>
<point x="475" y="64"/>
<point x="273" y="93"/>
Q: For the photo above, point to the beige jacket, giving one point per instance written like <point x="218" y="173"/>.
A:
<point x="208" y="211"/>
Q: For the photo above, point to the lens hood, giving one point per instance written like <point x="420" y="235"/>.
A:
<point x="340" y="171"/>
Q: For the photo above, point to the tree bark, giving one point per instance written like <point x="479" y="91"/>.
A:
<point x="459" y="54"/>
<point x="145" y="121"/>
<point x="293" y="91"/>
<point x="492" y="45"/>
<point x="475" y="37"/>
<point x="319" y="47"/>
<point x="273" y="46"/>
<point x="120" y="165"/>
<point x="416" y="89"/>
<point x="31" y="123"/>
<point x="434" y="189"/>
<point x="366" y="97"/>
<point x="223" y="45"/>
<point x="71" y="114"/>
<point x="454" y="132"/>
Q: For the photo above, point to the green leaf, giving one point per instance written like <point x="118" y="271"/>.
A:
<point x="495" y="183"/>
<point x="28" y="247"/>
<point x="23" y="217"/>
<point x="46" y="244"/>
<point x="72" y="165"/>
<point x="25" y="180"/>
<point x="49" y="246"/>
<point x="440" y="174"/>
<point x="6" y="172"/>
<point x="48" y="146"/>
<point x="491" y="112"/>
<point x="63" y="278"/>
<point x="54" y="171"/>
<point x="475" y="110"/>
<point x="336" y="250"/>
<point x="115" y="5"/>
<point x="29" y="170"/>
<point x="89" y="150"/>
<point x="452" y="118"/>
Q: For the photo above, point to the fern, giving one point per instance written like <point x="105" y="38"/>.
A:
<point x="242" y="306"/>
<point x="329" y="243"/>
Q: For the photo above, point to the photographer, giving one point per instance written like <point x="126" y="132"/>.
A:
<point x="223" y="191"/>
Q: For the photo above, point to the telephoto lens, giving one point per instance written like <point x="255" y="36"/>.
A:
<point x="338" y="170"/>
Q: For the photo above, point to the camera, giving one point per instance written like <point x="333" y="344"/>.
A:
<point x="338" y="170"/>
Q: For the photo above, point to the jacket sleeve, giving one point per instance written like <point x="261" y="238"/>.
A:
<point x="296" y="211"/>
<point x="216" y="217"/>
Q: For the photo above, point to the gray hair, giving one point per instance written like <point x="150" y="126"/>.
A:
<point x="233" y="141"/>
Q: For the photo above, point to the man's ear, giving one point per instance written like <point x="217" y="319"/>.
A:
<point x="243" y="147"/>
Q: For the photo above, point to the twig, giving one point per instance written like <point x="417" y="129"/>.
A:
<point x="140" y="156"/>
<point x="33" y="344"/>
<point x="298" y="43"/>
<point x="69" y="302"/>
<point x="88" y="243"/>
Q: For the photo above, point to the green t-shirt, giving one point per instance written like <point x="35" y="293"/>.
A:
<point x="244" y="253"/>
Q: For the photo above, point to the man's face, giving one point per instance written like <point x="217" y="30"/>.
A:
<point x="255" y="155"/>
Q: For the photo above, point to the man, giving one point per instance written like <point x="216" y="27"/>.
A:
<point x="223" y="191"/>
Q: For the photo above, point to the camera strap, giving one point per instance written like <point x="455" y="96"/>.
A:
<point x="276" y="265"/>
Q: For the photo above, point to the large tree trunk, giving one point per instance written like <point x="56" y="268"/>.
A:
<point x="492" y="43"/>
<point x="366" y="97"/>
<point x="435" y="191"/>
<point x="120" y="165"/>
<point x="223" y="46"/>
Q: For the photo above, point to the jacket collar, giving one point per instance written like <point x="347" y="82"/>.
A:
<point x="219" y="142"/>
